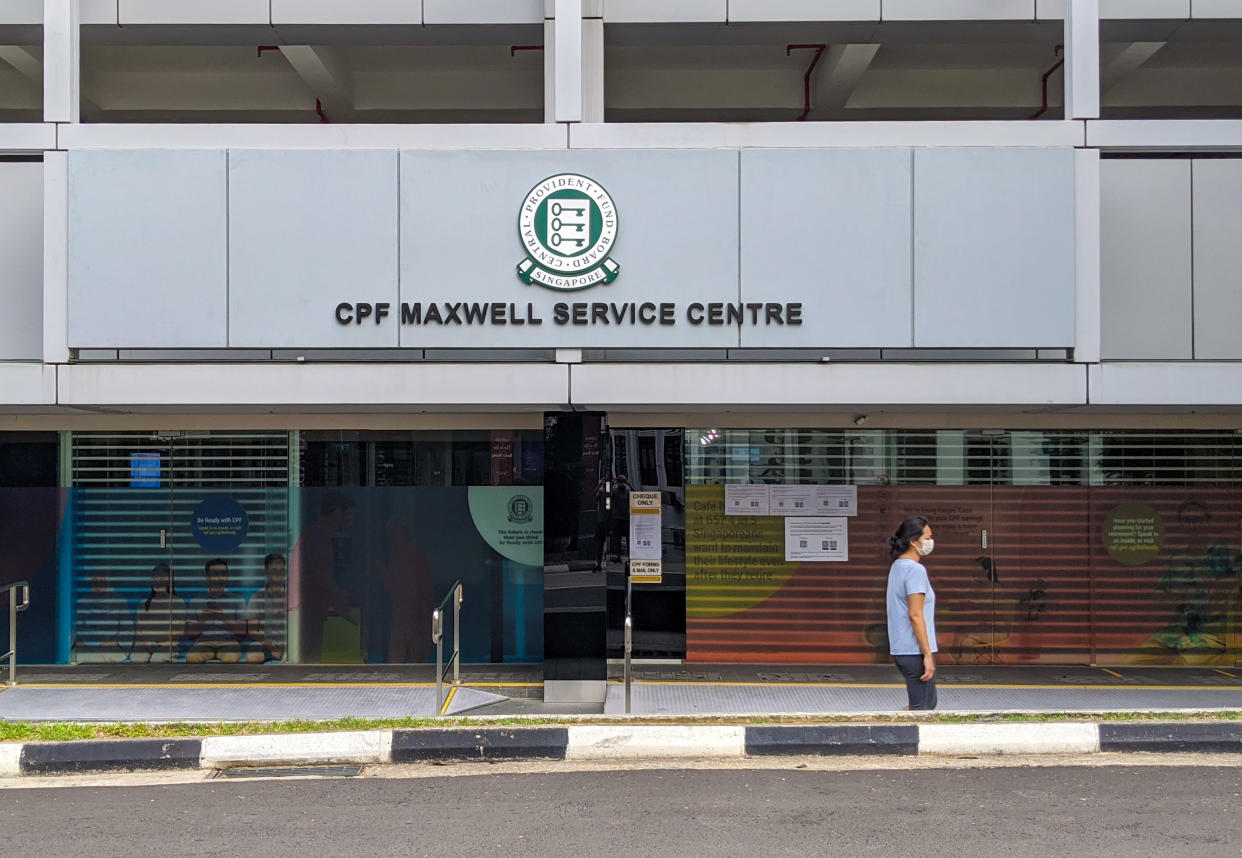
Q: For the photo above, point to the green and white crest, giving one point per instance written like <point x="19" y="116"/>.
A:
<point x="568" y="225"/>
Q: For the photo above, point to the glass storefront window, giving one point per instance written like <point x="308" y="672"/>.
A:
<point x="495" y="457"/>
<point x="1055" y="546"/>
<point x="193" y="546"/>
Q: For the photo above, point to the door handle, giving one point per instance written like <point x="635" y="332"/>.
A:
<point x="163" y="538"/>
<point x="983" y="539"/>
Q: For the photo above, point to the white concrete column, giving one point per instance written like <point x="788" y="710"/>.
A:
<point x="55" y="257"/>
<point x="549" y="71"/>
<point x="593" y="69"/>
<point x="61" y="61"/>
<point x="1087" y="256"/>
<point x="587" y="58"/>
<point x="567" y="61"/>
<point x="1082" y="59"/>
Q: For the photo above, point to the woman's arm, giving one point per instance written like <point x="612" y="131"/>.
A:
<point x="915" y="602"/>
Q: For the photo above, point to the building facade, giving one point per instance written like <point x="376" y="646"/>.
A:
<point x="315" y="307"/>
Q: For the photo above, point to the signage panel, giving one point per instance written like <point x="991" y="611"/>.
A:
<point x="646" y="542"/>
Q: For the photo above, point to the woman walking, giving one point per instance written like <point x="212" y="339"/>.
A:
<point x="911" y="612"/>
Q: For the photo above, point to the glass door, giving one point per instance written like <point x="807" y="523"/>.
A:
<point x="980" y="624"/>
<point x="123" y="556"/>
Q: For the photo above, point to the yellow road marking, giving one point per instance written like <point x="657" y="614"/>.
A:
<point x="448" y="700"/>
<point x="939" y="685"/>
<point x="268" y="685"/>
<point x="1112" y="673"/>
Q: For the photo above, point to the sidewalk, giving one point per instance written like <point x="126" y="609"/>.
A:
<point x="132" y="693"/>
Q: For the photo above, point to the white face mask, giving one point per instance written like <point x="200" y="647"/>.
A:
<point x="925" y="547"/>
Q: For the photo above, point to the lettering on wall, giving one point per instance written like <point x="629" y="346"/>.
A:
<point x="577" y="313"/>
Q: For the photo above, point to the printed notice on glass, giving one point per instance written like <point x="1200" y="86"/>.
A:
<point x="793" y="500"/>
<point x="835" y="500"/>
<point x="645" y="538"/>
<point x="746" y="500"/>
<point x="817" y="539"/>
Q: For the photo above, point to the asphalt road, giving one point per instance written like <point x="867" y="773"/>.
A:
<point x="1113" y="811"/>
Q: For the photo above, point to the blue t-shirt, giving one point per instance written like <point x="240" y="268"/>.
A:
<point x="906" y="577"/>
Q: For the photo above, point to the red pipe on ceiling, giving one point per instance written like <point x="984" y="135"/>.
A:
<point x="806" y="79"/>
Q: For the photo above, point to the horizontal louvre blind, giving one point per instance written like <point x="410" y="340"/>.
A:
<point x="116" y="528"/>
<point x="1117" y="547"/>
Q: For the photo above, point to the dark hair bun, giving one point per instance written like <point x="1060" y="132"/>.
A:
<point x="894" y="544"/>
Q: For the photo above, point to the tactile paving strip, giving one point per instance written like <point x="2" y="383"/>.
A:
<point x="163" y="703"/>
<point x="705" y="699"/>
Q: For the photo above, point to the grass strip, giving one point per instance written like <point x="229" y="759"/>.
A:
<point x="25" y="731"/>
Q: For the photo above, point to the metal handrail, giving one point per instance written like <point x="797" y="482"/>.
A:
<point x="629" y="634"/>
<point x="629" y="639"/>
<point x="14" y="607"/>
<point x="437" y="638"/>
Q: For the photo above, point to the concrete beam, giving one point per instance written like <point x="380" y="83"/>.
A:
<point x="1130" y="59"/>
<point x="31" y="65"/>
<point x="326" y="77"/>
<point x="24" y="61"/>
<point x="843" y="68"/>
<point x="736" y="386"/>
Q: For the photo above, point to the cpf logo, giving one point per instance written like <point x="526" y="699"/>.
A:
<point x="568" y="225"/>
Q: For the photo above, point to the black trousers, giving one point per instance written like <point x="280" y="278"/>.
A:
<point x="922" y="695"/>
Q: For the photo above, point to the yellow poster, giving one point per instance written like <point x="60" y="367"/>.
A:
<point x="733" y="562"/>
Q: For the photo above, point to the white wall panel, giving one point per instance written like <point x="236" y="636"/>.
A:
<point x="959" y="10"/>
<point x="101" y="12"/>
<point x="830" y="229"/>
<point x="1217" y="258"/>
<point x="677" y="240"/>
<point x="308" y="230"/>
<point x="993" y="248"/>
<point x="804" y="10"/>
<point x="657" y="11"/>
<point x="483" y="11"/>
<point x="27" y="12"/>
<point x="147" y="249"/>
<point x="352" y="12"/>
<point x="1120" y="10"/>
<point x="1216" y="8"/>
<point x="1145" y="287"/>
<point x="194" y="12"/>
<point x="21" y="249"/>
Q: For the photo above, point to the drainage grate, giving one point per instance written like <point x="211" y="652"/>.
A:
<point x="291" y="772"/>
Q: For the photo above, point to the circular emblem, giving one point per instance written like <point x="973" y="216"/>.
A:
<point x="568" y="225"/>
<point x="521" y="510"/>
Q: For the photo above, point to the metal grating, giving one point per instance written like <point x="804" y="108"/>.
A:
<point x="244" y="772"/>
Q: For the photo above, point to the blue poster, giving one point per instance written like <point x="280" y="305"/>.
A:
<point x="219" y="525"/>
